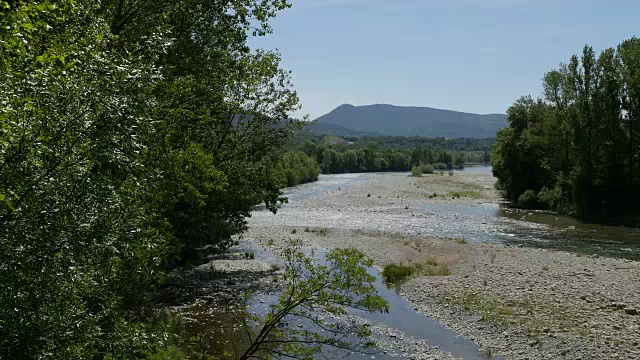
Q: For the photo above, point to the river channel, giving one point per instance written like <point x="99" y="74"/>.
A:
<point x="494" y="222"/>
<point x="342" y="202"/>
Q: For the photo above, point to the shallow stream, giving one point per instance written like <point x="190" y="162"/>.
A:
<point x="479" y="222"/>
<point x="496" y="223"/>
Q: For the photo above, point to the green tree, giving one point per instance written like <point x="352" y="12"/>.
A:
<point x="580" y="140"/>
<point x="318" y="293"/>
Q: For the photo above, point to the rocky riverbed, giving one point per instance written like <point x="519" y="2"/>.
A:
<point x="520" y="303"/>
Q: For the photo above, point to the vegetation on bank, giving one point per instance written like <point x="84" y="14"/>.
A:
<point x="576" y="149"/>
<point x="397" y="274"/>
<point x="351" y="157"/>
<point x="296" y="168"/>
<point x="311" y="289"/>
<point x="135" y="136"/>
<point x="414" y="142"/>
<point x="419" y="170"/>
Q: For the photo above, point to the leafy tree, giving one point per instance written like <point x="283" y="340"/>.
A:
<point x="134" y="134"/>
<point x="576" y="147"/>
<point x="74" y="222"/>
<point x="319" y="295"/>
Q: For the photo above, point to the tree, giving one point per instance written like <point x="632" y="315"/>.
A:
<point x="579" y="140"/>
<point x="134" y="134"/>
<point x="318" y="294"/>
<point x="79" y="255"/>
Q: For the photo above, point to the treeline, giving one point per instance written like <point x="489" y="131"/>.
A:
<point x="295" y="168"/>
<point x="351" y="158"/>
<point x="576" y="149"/>
<point x="405" y="142"/>
<point x="134" y="135"/>
<point x="413" y="142"/>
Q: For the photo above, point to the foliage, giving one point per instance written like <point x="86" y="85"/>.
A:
<point x="134" y="134"/>
<point x="416" y="171"/>
<point x="577" y="147"/>
<point x="317" y="294"/>
<point x="414" y="142"/>
<point x="356" y="157"/>
<point x="441" y="166"/>
<point x="297" y="168"/>
<point x="528" y="200"/>
<point x="427" y="168"/>
<point x="549" y="198"/>
<point x="395" y="274"/>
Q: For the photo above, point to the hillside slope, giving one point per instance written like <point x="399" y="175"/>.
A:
<point x="393" y="120"/>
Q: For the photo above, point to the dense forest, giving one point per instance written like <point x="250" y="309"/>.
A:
<point x="403" y="142"/>
<point x="412" y="142"/>
<point x="576" y="149"/>
<point x="369" y="157"/>
<point x="133" y="135"/>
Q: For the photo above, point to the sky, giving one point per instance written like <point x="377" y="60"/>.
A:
<point x="467" y="55"/>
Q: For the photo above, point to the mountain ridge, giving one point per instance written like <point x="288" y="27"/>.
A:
<point x="395" y="120"/>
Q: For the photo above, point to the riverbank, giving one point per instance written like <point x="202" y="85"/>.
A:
<point x="518" y="302"/>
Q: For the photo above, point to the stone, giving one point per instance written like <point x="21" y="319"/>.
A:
<point x="631" y="311"/>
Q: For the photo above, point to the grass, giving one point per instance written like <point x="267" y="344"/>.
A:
<point x="431" y="260"/>
<point x="461" y="241"/>
<point x="535" y="317"/>
<point x="397" y="274"/>
<point x="489" y="308"/>
<point x="467" y="194"/>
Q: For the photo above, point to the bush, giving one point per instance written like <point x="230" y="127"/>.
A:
<point x="394" y="274"/>
<point x="427" y="168"/>
<point x="441" y="166"/>
<point x="416" y="171"/>
<point x="528" y="200"/>
<point x="549" y="198"/>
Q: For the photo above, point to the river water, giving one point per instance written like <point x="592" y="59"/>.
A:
<point x="485" y="222"/>
<point x="497" y="223"/>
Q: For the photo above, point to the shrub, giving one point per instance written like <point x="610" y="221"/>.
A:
<point x="549" y="198"/>
<point x="528" y="200"/>
<point x="395" y="274"/>
<point x="427" y="168"/>
<point x="441" y="166"/>
<point x="431" y="260"/>
<point x="416" y="171"/>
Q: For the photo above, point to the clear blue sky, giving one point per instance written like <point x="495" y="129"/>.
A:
<point x="467" y="55"/>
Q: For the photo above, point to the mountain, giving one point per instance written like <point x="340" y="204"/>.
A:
<point x="390" y="120"/>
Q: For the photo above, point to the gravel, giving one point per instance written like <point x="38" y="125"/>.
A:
<point x="521" y="303"/>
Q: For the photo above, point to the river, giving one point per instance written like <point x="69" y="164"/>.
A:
<point x="497" y="223"/>
<point x="350" y="202"/>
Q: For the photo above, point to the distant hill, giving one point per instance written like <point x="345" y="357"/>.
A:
<point x="390" y="120"/>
